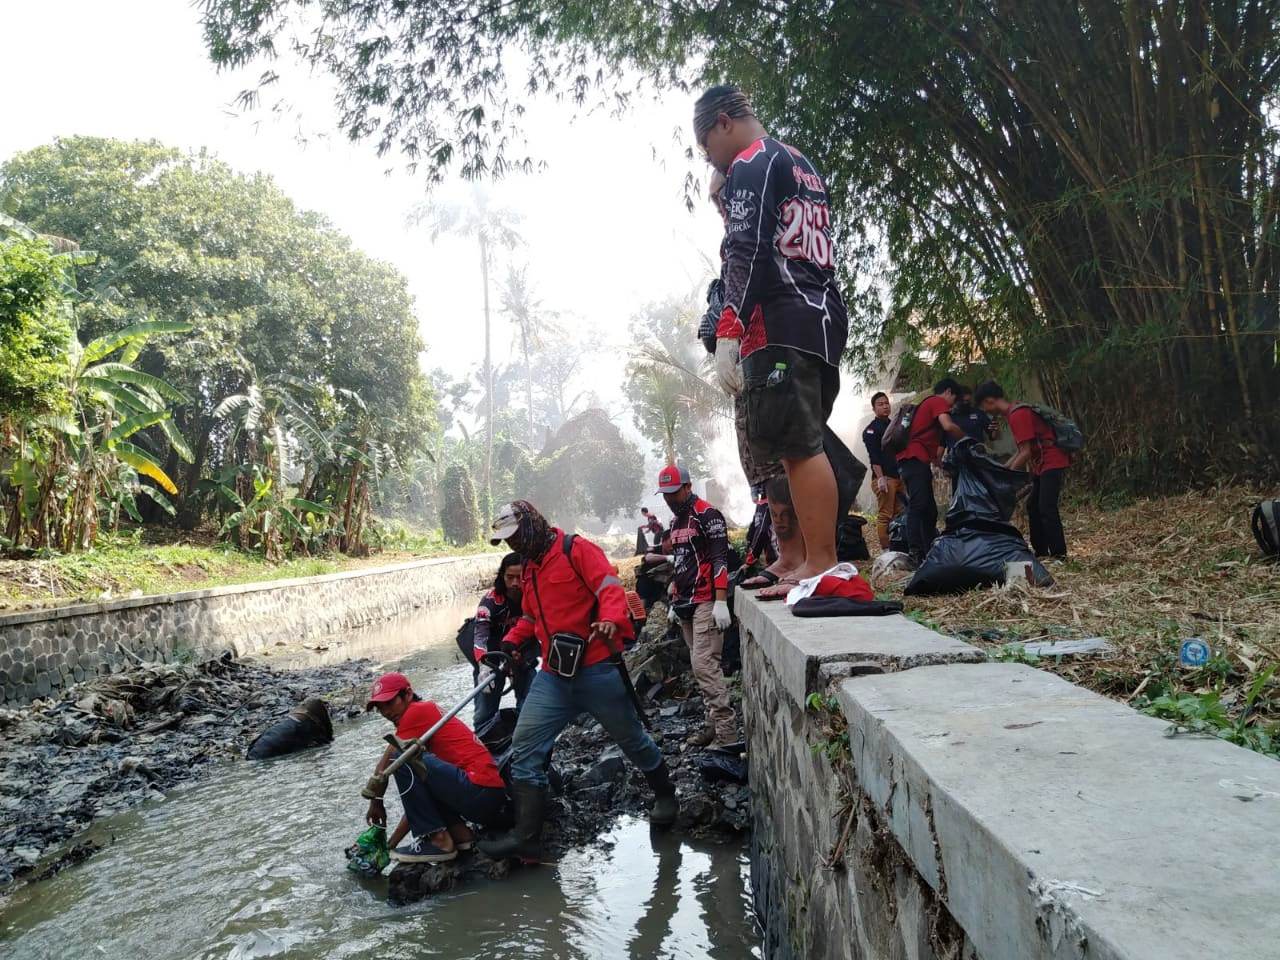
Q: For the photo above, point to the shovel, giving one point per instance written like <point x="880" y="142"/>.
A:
<point x="499" y="671"/>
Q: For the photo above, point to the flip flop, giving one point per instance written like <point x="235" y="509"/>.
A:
<point x="768" y="576"/>
<point x="783" y="582"/>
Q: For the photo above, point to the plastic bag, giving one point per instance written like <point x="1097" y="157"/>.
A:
<point x="717" y="766"/>
<point x="369" y="854"/>
<point x="898" y="534"/>
<point x="850" y="543"/>
<point x="984" y="488"/>
<point x="973" y="556"/>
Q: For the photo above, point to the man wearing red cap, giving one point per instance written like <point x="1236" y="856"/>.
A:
<point x="574" y="604"/>
<point x="699" y="592"/>
<point x="454" y="777"/>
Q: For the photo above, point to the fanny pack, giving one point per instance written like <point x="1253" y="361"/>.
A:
<point x="564" y="654"/>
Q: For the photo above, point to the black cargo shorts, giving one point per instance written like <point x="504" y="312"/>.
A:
<point x="789" y="395"/>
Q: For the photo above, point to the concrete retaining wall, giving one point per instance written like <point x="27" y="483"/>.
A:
<point x="988" y="811"/>
<point x="45" y="650"/>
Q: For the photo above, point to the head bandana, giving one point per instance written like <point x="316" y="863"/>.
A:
<point x="533" y="535"/>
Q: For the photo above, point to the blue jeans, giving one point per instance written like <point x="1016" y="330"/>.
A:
<point x="552" y="704"/>
<point x="486" y="704"/>
<point x="446" y="797"/>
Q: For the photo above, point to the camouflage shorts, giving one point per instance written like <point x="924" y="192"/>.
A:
<point x="757" y="473"/>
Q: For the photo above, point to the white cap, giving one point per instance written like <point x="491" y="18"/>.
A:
<point x="504" y="524"/>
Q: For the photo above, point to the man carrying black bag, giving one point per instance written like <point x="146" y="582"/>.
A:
<point x="575" y="606"/>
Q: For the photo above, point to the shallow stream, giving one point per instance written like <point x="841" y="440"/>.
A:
<point x="248" y="863"/>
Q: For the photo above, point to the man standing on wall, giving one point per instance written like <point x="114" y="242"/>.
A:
<point x="699" y="598"/>
<point x="931" y="419"/>
<point x="1038" y="452"/>
<point x="783" y="326"/>
<point x="884" y="469"/>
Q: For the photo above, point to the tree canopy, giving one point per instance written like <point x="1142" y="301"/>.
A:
<point x="263" y="285"/>
<point x="1082" y="197"/>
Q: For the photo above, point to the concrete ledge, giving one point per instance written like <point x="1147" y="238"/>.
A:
<point x="1054" y="823"/>
<point x="42" y="651"/>
<point x="806" y="652"/>
<point x="233" y="590"/>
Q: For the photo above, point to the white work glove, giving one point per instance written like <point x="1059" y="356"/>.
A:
<point x="882" y="484"/>
<point x="720" y="614"/>
<point x="728" y="371"/>
<point x="672" y="616"/>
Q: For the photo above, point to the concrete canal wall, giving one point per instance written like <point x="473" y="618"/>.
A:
<point x="933" y="805"/>
<point x="45" y="650"/>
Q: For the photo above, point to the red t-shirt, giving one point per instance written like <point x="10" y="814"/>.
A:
<point x="1026" y="425"/>
<point x="453" y="743"/>
<point x="926" y="432"/>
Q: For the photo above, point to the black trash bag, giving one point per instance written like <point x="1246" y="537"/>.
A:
<point x="716" y="767"/>
<point x="985" y="489"/>
<point x="851" y="545"/>
<point x="307" y="725"/>
<point x="973" y="556"/>
<point x="497" y="730"/>
<point x="731" y="652"/>
<point x="849" y="470"/>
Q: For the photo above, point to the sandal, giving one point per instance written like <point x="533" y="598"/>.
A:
<point x="767" y="577"/>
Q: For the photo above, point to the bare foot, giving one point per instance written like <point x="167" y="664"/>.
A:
<point x="461" y="834"/>
<point x="442" y="840"/>
<point x="785" y="584"/>
<point x="768" y="576"/>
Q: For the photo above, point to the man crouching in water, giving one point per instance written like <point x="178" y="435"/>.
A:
<point x="453" y="778"/>
<point x="575" y="607"/>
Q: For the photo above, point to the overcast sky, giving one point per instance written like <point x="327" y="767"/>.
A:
<point x="605" y="223"/>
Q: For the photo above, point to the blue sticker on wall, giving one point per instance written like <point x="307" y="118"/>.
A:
<point x="1195" y="653"/>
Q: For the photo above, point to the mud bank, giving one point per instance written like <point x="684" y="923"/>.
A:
<point x="109" y="743"/>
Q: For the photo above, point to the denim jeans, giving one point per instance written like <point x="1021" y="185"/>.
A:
<point x="552" y="704"/>
<point x="446" y="796"/>
<point x="485" y="705"/>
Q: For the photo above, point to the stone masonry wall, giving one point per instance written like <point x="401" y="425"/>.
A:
<point x="933" y="806"/>
<point x="45" y="650"/>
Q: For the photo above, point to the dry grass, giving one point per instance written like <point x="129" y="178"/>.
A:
<point x="1146" y="577"/>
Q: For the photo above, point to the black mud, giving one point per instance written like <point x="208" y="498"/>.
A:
<point x="114" y="741"/>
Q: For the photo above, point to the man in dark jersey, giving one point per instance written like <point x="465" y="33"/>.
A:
<point x="783" y="326"/>
<point x="699" y="598"/>
<point x="497" y="613"/>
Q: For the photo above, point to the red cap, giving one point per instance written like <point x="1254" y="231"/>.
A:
<point x="386" y="687"/>
<point x="671" y="479"/>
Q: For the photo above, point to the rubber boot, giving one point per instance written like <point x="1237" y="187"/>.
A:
<point x="665" y="806"/>
<point x="524" y="840"/>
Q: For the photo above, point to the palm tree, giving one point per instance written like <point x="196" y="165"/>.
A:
<point x="527" y="312"/>
<point x="492" y="227"/>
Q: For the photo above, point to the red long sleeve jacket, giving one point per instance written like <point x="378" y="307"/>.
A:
<point x="566" y="594"/>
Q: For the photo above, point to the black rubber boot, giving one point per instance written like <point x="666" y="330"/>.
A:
<point x="524" y="840"/>
<point x="665" y="806"/>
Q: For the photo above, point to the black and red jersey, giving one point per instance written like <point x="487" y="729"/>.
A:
<point x="700" y="547"/>
<point x="780" y="261"/>
<point x="494" y="617"/>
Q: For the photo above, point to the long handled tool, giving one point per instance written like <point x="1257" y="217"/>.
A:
<point x="499" y="671"/>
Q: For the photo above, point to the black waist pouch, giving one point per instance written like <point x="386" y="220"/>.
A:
<point x="565" y="654"/>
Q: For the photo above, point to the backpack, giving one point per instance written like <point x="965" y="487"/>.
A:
<point x="898" y="433"/>
<point x="1067" y="437"/>
<point x="1266" y="528"/>
<point x="467" y="640"/>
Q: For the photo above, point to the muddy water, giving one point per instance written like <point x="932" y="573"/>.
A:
<point x="248" y="864"/>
